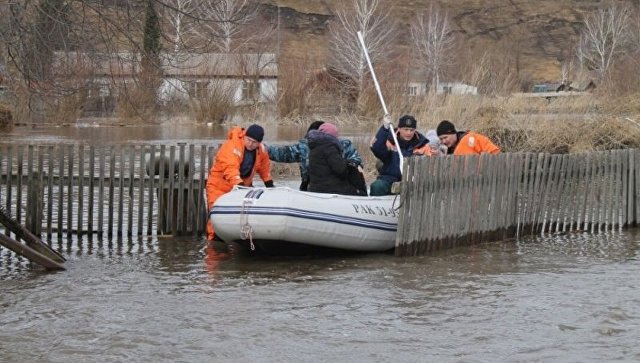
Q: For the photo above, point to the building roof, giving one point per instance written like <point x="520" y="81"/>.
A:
<point x="184" y="65"/>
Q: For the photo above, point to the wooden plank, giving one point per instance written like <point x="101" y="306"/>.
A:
<point x="101" y="175"/>
<point x="80" y="224"/>
<point x="60" y="206"/>
<point x="71" y="158"/>
<point x="50" y="162"/>
<point x="30" y="254"/>
<point x="523" y="201"/>
<point x="180" y="202"/>
<point x="30" y="187"/>
<point x="4" y="177"/>
<point x="536" y="192"/>
<point x="620" y="211"/>
<point x="121" y="173"/>
<point x="173" y="227"/>
<point x="559" y="197"/>
<point x="629" y="187"/>
<point x="200" y="221"/>
<point x="111" y="187"/>
<point x="575" y="188"/>
<point x="190" y="207"/>
<point x="40" y="201"/>
<point x="9" y="193"/>
<point x="20" y="172"/>
<point x="150" y="199"/>
<point x="161" y="224"/>
<point x="131" y="194"/>
<point x="91" y="196"/>
<point x="592" y="190"/>
<point x="637" y="187"/>
<point x="578" y="190"/>
<point x="141" y="178"/>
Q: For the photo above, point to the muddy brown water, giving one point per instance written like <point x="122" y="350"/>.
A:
<point x="553" y="298"/>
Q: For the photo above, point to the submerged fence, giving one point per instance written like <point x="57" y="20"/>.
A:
<point x="452" y="201"/>
<point x="117" y="190"/>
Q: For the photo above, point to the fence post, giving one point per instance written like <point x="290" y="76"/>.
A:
<point x="34" y="204"/>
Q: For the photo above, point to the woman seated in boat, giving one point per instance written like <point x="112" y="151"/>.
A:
<point x="383" y="147"/>
<point x="329" y="172"/>
<point x="236" y="162"/>
<point x="299" y="153"/>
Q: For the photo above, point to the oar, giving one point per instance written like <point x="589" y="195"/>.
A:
<point x="384" y="106"/>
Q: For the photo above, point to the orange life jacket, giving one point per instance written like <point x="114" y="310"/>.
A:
<point x="474" y="144"/>
<point x="225" y="171"/>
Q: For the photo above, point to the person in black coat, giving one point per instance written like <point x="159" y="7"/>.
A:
<point x="329" y="172"/>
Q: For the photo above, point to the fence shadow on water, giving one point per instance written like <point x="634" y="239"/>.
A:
<point x="454" y="201"/>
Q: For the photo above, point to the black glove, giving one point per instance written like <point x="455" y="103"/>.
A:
<point x="304" y="186"/>
<point x="269" y="184"/>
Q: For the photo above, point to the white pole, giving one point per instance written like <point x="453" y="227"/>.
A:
<point x="384" y="106"/>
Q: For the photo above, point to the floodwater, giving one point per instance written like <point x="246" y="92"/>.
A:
<point x="553" y="298"/>
<point x="560" y="298"/>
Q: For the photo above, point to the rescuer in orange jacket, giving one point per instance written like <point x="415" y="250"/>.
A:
<point x="237" y="160"/>
<point x="464" y="142"/>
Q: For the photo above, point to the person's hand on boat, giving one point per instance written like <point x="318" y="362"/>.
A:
<point x="386" y="121"/>
<point x="269" y="184"/>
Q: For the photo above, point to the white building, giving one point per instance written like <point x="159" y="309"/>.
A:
<point x="247" y="78"/>
<point x="456" y="88"/>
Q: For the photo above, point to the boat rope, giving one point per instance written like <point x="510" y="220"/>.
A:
<point x="398" y="199"/>
<point x="246" y="231"/>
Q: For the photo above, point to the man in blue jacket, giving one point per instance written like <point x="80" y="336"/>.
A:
<point x="299" y="153"/>
<point x="411" y="143"/>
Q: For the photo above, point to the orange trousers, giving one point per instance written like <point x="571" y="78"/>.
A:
<point x="212" y="196"/>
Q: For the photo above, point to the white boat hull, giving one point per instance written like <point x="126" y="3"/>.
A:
<point x="323" y="220"/>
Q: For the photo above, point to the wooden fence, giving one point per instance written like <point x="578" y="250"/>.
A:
<point x="453" y="201"/>
<point x="117" y="190"/>
<point x="145" y="190"/>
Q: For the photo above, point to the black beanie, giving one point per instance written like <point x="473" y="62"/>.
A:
<point x="255" y="132"/>
<point x="315" y="125"/>
<point x="407" y="121"/>
<point x="445" y="127"/>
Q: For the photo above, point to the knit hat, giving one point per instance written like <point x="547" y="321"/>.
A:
<point x="432" y="137"/>
<point x="407" y="121"/>
<point x="329" y="129"/>
<point x="445" y="127"/>
<point x="315" y="125"/>
<point x="255" y="132"/>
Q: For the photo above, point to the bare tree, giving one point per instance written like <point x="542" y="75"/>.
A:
<point x="180" y="19"/>
<point x="433" y="38"/>
<point x="604" y="36"/>
<point x="346" y="56"/>
<point x="566" y="69"/>
<point x="222" y="21"/>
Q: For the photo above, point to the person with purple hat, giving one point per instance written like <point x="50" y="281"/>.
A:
<point x="299" y="153"/>
<point x="329" y="171"/>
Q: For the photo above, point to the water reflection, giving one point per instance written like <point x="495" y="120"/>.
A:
<point x="161" y="133"/>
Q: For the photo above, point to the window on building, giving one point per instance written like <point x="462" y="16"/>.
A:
<point x="198" y="88"/>
<point x="249" y="89"/>
<point x="412" y="90"/>
<point x="447" y="90"/>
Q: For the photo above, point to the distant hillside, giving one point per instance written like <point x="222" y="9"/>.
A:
<point x="542" y="32"/>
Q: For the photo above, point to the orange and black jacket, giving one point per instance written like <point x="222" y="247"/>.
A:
<point x="472" y="143"/>
<point x="225" y="172"/>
